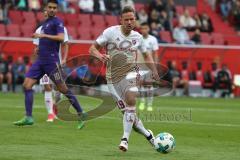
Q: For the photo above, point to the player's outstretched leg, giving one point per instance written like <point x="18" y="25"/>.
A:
<point x="139" y="127"/>
<point x="27" y="120"/>
<point x="73" y="100"/>
<point x="128" y="119"/>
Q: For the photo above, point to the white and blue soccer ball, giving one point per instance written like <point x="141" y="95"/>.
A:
<point x="164" y="142"/>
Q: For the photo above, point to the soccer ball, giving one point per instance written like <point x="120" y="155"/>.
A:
<point x="164" y="142"/>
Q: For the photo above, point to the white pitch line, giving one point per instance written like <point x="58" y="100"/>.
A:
<point x="182" y="122"/>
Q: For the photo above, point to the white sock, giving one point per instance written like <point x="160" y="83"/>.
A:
<point x="142" y="94"/>
<point x="138" y="127"/>
<point x="150" y="97"/>
<point x="48" y="101"/>
<point x="128" y="120"/>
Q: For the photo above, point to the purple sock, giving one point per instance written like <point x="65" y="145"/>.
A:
<point x="73" y="100"/>
<point x="28" y="102"/>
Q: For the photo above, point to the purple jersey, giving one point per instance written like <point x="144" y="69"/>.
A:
<point x="49" y="49"/>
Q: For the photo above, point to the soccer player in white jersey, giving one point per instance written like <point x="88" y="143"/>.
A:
<point x="146" y="91"/>
<point x="122" y="45"/>
<point x="45" y="80"/>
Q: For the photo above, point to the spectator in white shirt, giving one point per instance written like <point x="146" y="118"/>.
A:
<point x="187" y="21"/>
<point x="181" y="36"/>
<point x="127" y="3"/>
<point x="86" y="6"/>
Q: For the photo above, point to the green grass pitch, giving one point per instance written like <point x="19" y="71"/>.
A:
<point x="204" y="129"/>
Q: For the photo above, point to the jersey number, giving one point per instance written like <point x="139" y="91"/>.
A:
<point x="121" y="104"/>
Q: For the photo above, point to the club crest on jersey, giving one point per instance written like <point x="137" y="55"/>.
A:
<point x="134" y="41"/>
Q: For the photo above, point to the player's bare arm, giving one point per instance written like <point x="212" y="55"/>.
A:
<point x="59" y="37"/>
<point x="150" y="63"/>
<point x="65" y="50"/>
<point x="94" y="50"/>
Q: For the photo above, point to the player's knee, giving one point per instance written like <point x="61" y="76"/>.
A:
<point x="28" y="84"/>
<point x="47" y="88"/>
<point x="131" y="99"/>
<point x="62" y="88"/>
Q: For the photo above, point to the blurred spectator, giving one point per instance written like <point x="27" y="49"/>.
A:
<point x="198" y="21"/>
<point x="19" y="70"/>
<point x="199" y="73"/>
<point x="22" y="5"/>
<point x="99" y="6"/>
<point x="171" y="9"/>
<point x="236" y="15"/>
<point x="181" y="36"/>
<point x="187" y="21"/>
<point x="223" y="77"/>
<point x="142" y="16"/>
<point x="214" y="70"/>
<point x="27" y="62"/>
<point x="184" y="72"/>
<point x="176" y="80"/>
<point x="34" y="5"/>
<point x="196" y="38"/>
<point x="225" y="8"/>
<point x="86" y="6"/>
<point x="155" y="30"/>
<point x="158" y="5"/>
<point x="63" y="4"/>
<point x="206" y="23"/>
<point x="1" y="14"/>
<point x="124" y="3"/>
<point x="212" y="4"/>
<point x="154" y="17"/>
<point x="165" y="24"/>
<point x="113" y="6"/>
<point x="5" y="73"/>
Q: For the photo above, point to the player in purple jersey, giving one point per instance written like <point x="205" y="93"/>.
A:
<point x="48" y="62"/>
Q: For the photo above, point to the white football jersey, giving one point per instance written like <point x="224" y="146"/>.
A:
<point x="123" y="51"/>
<point x="151" y="43"/>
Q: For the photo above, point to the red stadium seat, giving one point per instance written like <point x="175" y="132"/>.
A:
<point x="179" y="10"/>
<point x="72" y="20"/>
<point x="206" y="38"/>
<point x="15" y="17"/>
<point x="96" y="32"/>
<point x="111" y="20"/>
<point x="29" y="18"/>
<point x="72" y="33"/>
<point x="192" y="10"/>
<point x="2" y="31"/>
<point x="84" y="33"/>
<point x="62" y="17"/>
<point x="98" y="21"/>
<point x="166" y="36"/>
<point x="13" y="30"/>
<point x="85" y="20"/>
<point x="217" y="38"/>
<point x="40" y="16"/>
<point x="139" y="6"/>
<point x="27" y="30"/>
